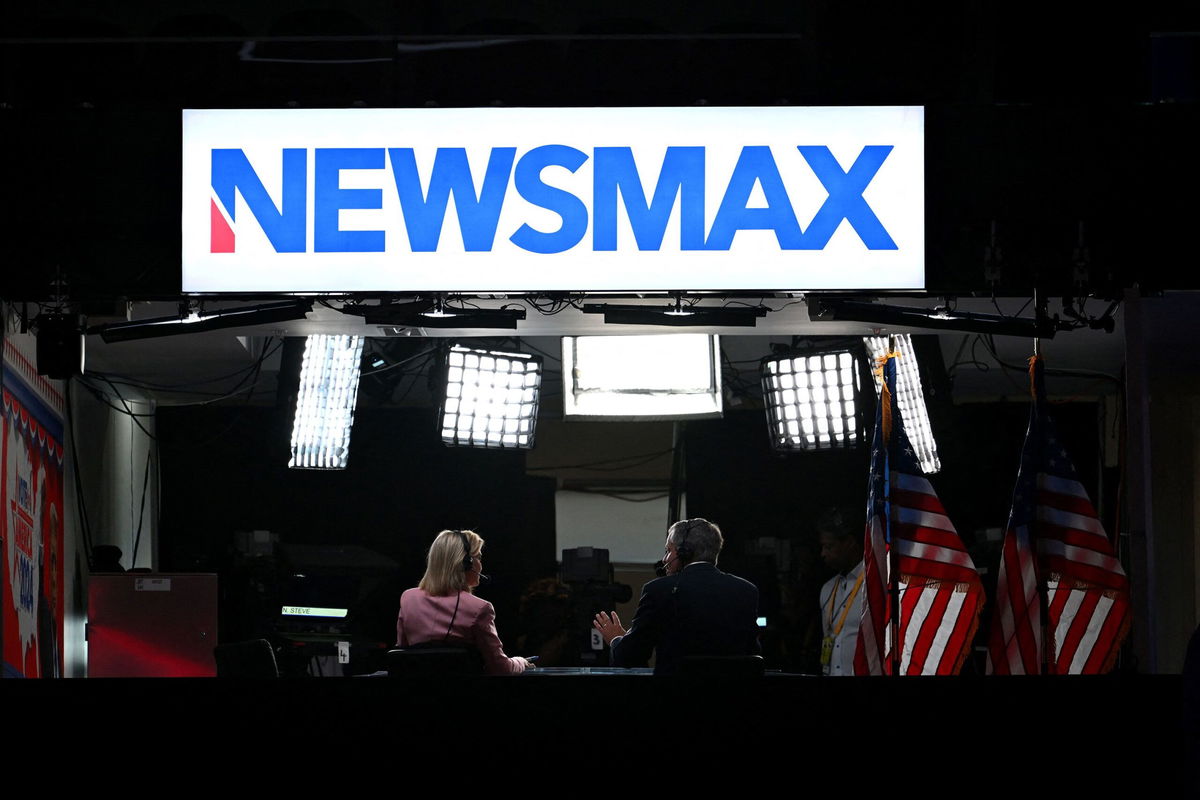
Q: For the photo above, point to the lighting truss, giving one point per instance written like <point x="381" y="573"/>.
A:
<point x="188" y="321"/>
<point x="813" y="400"/>
<point x="491" y="398"/>
<point x="329" y="376"/>
<point x="910" y="398"/>
<point x="436" y="314"/>
<point x="677" y="316"/>
<point x="841" y="309"/>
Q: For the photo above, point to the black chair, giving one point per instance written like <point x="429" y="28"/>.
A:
<point x="251" y="659"/>
<point x="433" y="659"/>
<point x="722" y="666"/>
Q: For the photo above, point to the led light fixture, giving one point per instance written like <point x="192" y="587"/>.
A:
<point x="910" y="398"/>
<point x="197" y="322"/>
<point x="673" y="376"/>
<point x="329" y="376"/>
<point x="436" y="314"/>
<point x="677" y="316"/>
<point x="813" y="400"/>
<point x="491" y="398"/>
<point x="839" y="309"/>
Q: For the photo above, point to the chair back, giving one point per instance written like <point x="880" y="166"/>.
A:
<point x="433" y="660"/>
<point x="250" y="659"/>
<point x="723" y="666"/>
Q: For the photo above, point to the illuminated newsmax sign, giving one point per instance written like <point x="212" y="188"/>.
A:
<point x="542" y="199"/>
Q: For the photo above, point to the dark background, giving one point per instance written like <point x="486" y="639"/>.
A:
<point x="1037" y="120"/>
<point x="1040" y="126"/>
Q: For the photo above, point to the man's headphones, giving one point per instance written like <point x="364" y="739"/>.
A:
<point x="468" y="560"/>
<point x="682" y="551"/>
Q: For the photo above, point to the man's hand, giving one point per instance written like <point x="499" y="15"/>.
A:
<point x="609" y="626"/>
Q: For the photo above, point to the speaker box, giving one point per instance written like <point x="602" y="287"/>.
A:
<point x="59" y="345"/>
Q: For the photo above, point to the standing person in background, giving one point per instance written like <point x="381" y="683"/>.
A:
<point x="442" y="609"/>
<point x="842" y="595"/>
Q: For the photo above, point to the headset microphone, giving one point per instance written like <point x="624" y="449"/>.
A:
<point x="682" y="551"/>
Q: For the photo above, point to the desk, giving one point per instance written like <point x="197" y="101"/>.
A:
<point x="555" y="729"/>
<point x="588" y="671"/>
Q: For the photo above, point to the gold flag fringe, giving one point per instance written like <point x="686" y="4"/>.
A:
<point x="977" y="598"/>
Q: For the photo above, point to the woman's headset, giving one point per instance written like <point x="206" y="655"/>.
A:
<point x="468" y="560"/>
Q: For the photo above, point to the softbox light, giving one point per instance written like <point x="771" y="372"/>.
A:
<point x="910" y="398"/>
<point x="491" y="398"/>
<point x="813" y="400"/>
<point x="328" y="392"/>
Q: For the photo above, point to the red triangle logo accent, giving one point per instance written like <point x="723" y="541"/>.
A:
<point x="222" y="234"/>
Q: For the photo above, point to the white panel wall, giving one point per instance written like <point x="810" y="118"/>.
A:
<point x="632" y="532"/>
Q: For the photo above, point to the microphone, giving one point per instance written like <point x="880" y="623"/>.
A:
<point x="660" y="568"/>
<point x="484" y="579"/>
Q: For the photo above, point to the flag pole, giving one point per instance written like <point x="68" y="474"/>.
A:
<point x="1039" y="310"/>
<point x="893" y="560"/>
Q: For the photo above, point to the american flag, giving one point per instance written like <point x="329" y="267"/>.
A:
<point x="1087" y="593"/>
<point x="940" y="591"/>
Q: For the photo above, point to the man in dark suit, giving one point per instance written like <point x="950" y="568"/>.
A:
<point x="694" y="610"/>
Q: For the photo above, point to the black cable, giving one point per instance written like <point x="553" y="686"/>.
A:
<point x="622" y="496"/>
<point x="416" y="376"/>
<point x="551" y="306"/>
<point x="102" y="398"/>
<point x="959" y="361"/>
<point x="1008" y="316"/>
<point x="80" y="501"/>
<point x="183" y="387"/>
<point x="129" y="411"/>
<point x="401" y="362"/>
<point x="253" y="372"/>
<point x="137" y="538"/>
<point x="990" y="344"/>
<point x="759" y="304"/>
<point x="541" y="352"/>
<point x="252" y="378"/>
<point x="262" y="359"/>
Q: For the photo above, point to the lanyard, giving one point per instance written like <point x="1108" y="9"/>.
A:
<point x="846" y="604"/>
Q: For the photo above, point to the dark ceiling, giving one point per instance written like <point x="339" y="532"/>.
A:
<point x="1042" y="133"/>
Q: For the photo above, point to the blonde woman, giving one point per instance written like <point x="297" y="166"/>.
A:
<point x="442" y="609"/>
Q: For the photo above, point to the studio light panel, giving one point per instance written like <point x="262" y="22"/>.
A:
<point x="491" y="398"/>
<point x="642" y="377"/>
<point x="812" y="401"/>
<point x="328" y="392"/>
<point x="910" y="398"/>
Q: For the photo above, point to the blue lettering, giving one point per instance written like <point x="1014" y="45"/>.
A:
<point x="284" y="227"/>
<point x="529" y="184"/>
<point x="845" y="197"/>
<point x="755" y="165"/>
<point x="24" y="583"/>
<point x="681" y="181"/>
<point x="682" y="175"/>
<point x="424" y="213"/>
<point x="329" y="198"/>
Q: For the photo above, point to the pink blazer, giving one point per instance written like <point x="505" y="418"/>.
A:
<point x="424" y="618"/>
